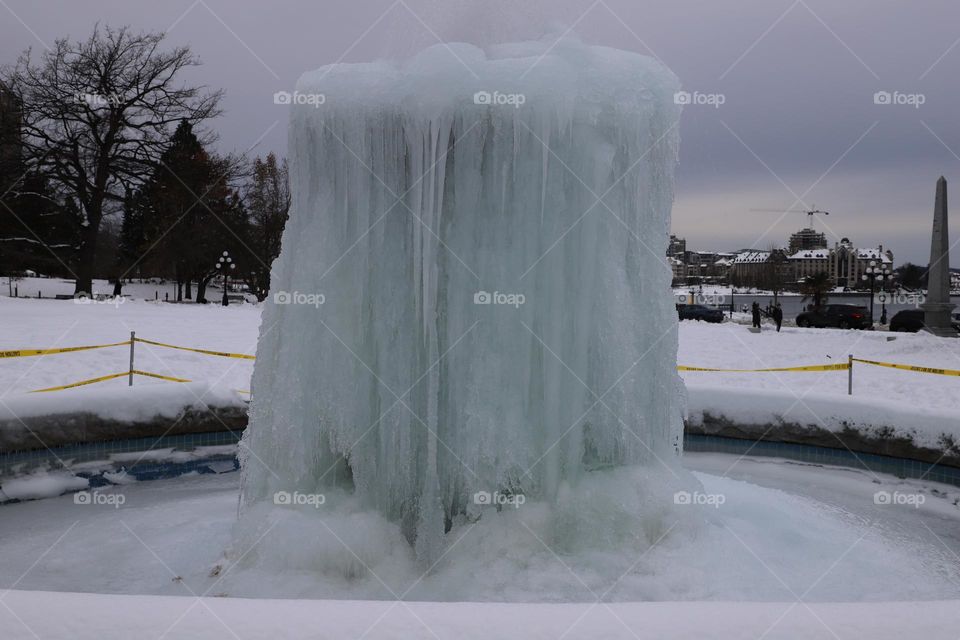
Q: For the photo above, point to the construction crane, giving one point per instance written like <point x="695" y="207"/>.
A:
<point x="809" y="213"/>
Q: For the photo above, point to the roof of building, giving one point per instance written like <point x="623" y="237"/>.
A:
<point x="745" y="257"/>
<point x="811" y="254"/>
<point x="873" y="254"/>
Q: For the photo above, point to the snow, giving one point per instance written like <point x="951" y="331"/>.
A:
<point x="876" y="417"/>
<point x="27" y="615"/>
<point x="732" y="346"/>
<point x="40" y="485"/>
<point x="402" y="363"/>
<point x="31" y="287"/>
<point x="140" y="403"/>
<point x="33" y="324"/>
<point x="49" y="323"/>
<point x="49" y="483"/>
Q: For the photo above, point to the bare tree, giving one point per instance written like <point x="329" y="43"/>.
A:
<point x="97" y="115"/>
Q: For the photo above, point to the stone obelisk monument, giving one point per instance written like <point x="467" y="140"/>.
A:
<point x="937" y="308"/>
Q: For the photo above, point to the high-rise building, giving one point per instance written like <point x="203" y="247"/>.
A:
<point x="807" y="240"/>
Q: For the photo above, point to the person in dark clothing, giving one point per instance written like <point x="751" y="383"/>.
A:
<point x="777" y="314"/>
<point x="756" y="314"/>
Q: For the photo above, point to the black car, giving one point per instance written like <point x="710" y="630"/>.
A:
<point x="699" y="312"/>
<point x="911" y="320"/>
<point x="842" y="316"/>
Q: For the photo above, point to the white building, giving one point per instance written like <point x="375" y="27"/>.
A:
<point x="844" y="263"/>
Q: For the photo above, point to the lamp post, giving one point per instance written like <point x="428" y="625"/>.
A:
<point x="873" y="273"/>
<point x="222" y="263"/>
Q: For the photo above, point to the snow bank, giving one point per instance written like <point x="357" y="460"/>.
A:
<point x="140" y="403"/>
<point x="43" y="420"/>
<point x="78" y="616"/>
<point x="804" y="417"/>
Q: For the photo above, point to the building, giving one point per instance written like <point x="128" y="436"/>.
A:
<point x="808" y="262"/>
<point x="748" y="267"/>
<point x="677" y="247"/>
<point x="848" y="263"/>
<point x="844" y="263"/>
<point x="806" y="240"/>
<point x="679" y="270"/>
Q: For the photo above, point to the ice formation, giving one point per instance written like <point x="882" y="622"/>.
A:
<point x="470" y="307"/>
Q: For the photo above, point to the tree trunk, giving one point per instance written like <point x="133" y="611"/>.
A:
<point x="202" y="291"/>
<point x="188" y="295"/>
<point x="117" y="287"/>
<point x="86" y="257"/>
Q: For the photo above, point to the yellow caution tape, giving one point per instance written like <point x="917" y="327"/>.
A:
<point x="83" y="382"/>
<point x="843" y="366"/>
<point x="21" y="353"/>
<point x="160" y="377"/>
<point x="110" y="377"/>
<point x="908" y="367"/>
<point x="222" y="354"/>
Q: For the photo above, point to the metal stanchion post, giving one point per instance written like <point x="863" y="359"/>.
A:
<point x="133" y="341"/>
<point x="850" y="374"/>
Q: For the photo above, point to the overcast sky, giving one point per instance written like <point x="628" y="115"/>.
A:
<point x="798" y="127"/>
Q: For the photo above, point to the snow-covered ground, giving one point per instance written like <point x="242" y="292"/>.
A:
<point x="36" y="324"/>
<point x="732" y="346"/>
<point x="36" y="287"/>
<point x="53" y="323"/>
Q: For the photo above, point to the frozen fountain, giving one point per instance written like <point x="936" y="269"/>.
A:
<point x="468" y="309"/>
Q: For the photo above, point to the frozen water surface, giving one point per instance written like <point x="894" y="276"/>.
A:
<point x="806" y="528"/>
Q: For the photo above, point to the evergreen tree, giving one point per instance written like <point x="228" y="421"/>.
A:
<point x="268" y="198"/>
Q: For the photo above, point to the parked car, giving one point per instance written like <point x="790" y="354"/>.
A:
<point x="842" y="316"/>
<point x="911" y="320"/>
<point x="699" y="312"/>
